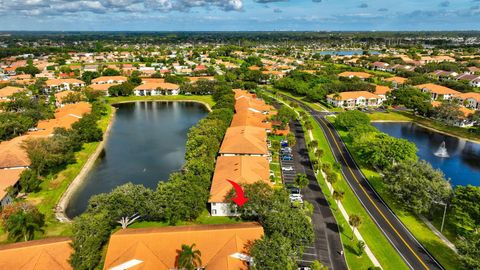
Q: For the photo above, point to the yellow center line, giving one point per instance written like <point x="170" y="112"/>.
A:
<point x="370" y="199"/>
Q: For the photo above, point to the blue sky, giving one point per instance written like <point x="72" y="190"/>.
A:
<point x="239" y="15"/>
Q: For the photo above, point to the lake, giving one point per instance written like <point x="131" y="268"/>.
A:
<point x="463" y="165"/>
<point x="146" y="143"/>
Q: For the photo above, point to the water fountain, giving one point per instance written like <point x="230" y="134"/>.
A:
<point x="442" y="151"/>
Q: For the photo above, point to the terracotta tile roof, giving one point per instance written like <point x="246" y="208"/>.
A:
<point x="9" y="90"/>
<point x="55" y="82"/>
<point x="44" y="254"/>
<point x="12" y="153"/>
<point x="249" y="118"/>
<point x="363" y="75"/>
<point x="241" y="169"/>
<point x="109" y="78"/>
<point x="77" y="109"/>
<point x="153" y="80"/>
<point x="354" y="95"/>
<point x="472" y="95"/>
<point x="398" y="80"/>
<point x="195" y="79"/>
<point x="8" y="178"/>
<point x="437" y="89"/>
<point x="157" y="248"/>
<point x="381" y="89"/>
<point x="244" y="140"/>
<point x="252" y="104"/>
<point x="102" y="87"/>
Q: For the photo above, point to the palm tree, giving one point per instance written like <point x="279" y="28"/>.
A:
<point x="354" y="221"/>
<point x="338" y="195"/>
<point x="24" y="224"/>
<point x="189" y="258"/>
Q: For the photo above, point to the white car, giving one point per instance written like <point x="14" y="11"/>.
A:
<point x="289" y="168"/>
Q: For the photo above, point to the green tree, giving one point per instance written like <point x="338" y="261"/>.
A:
<point x="338" y="195"/>
<point x="417" y="186"/>
<point x="316" y="265"/>
<point x="189" y="258"/>
<point x="469" y="249"/>
<point x="412" y="98"/>
<point x="301" y="180"/>
<point x="465" y="215"/>
<point x="448" y="112"/>
<point x="90" y="232"/>
<point x="29" y="181"/>
<point x="351" y="119"/>
<point x="88" y="76"/>
<point x="264" y="258"/>
<point x="355" y="221"/>
<point x="21" y="221"/>
<point x="291" y="139"/>
<point x="110" y="72"/>
<point x="361" y="248"/>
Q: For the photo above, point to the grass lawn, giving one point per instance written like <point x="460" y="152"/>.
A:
<point x="374" y="238"/>
<point x="388" y="116"/>
<point x="205" y="99"/>
<point x="417" y="227"/>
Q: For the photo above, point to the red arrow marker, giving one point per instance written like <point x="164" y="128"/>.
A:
<point x="240" y="199"/>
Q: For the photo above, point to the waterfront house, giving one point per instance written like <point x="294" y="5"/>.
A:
<point x="223" y="247"/>
<point x="437" y="92"/>
<point x="240" y="169"/>
<point x="381" y="66"/>
<point x="156" y="89"/>
<point x="354" y="99"/>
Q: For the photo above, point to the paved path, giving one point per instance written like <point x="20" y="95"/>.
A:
<point x="412" y="252"/>
<point x="327" y="245"/>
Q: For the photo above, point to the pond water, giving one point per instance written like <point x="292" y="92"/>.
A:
<point x="346" y="53"/>
<point x="462" y="165"/>
<point x="146" y="143"/>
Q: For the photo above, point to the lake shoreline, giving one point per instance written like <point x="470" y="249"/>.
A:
<point x="426" y="127"/>
<point x="78" y="181"/>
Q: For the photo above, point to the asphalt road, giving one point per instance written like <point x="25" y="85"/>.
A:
<point x="328" y="245"/>
<point x="412" y="252"/>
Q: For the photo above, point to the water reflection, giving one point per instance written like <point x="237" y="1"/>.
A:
<point x="463" y="165"/>
<point x="146" y="143"/>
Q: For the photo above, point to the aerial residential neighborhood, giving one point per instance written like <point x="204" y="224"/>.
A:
<point x="237" y="135"/>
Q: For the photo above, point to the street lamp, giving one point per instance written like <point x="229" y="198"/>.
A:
<point x="444" y="214"/>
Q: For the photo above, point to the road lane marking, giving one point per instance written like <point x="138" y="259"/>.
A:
<point x="368" y="196"/>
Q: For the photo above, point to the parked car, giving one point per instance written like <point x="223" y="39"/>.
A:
<point x="293" y="190"/>
<point x="284" y="143"/>
<point x="287" y="158"/>
<point x="296" y="199"/>
<point x="288" y="168"/>
<point x="304" y="268"/>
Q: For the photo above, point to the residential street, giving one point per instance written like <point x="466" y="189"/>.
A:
<point x="412" y="251"/>
<point x="327" y="246"/>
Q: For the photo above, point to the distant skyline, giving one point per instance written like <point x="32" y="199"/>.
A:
<point x="239" y="15"/>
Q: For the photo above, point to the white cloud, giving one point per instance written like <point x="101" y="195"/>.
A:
<point x="59" y="7"/>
